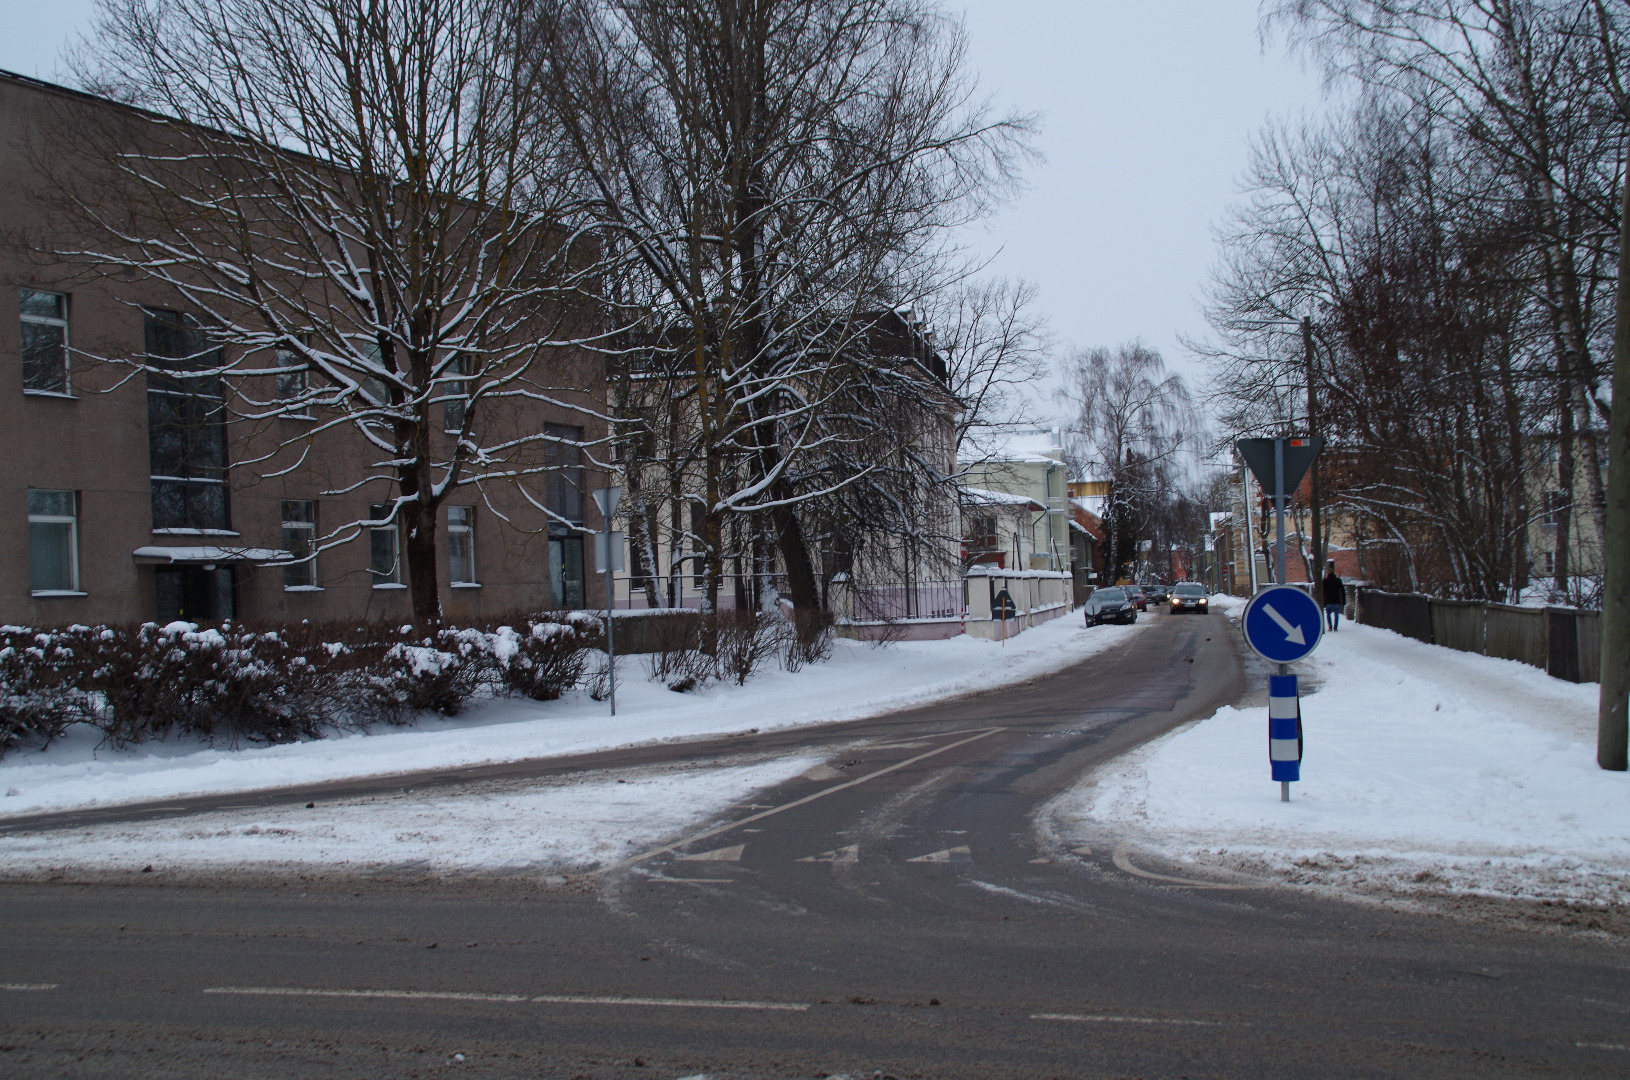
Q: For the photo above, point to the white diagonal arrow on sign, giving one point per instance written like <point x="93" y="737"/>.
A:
<point x="1293" y="633"/>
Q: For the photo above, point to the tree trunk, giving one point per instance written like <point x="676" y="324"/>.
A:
<point x="1612" y="729"/>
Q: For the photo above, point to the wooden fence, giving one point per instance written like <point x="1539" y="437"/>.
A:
<point x="1564" y="642"/>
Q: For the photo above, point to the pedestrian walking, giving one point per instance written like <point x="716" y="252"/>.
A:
<point x="1335" y="597"/>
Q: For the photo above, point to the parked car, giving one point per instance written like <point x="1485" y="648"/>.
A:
<point x="1138" y="597"/>
<point x="1189" y="596"/>
<point x="1110" y="604"/>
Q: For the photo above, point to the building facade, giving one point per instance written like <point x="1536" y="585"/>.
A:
<point x="133" y="494"/>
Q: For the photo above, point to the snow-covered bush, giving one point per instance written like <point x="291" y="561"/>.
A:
<point x="549" y="655"/>
<point x="40" y="683"/>
<point x="744" y="641"/>
<point x="226" y="681"/>
<point x="438" y="672"/>
<point x="809" y="640"/>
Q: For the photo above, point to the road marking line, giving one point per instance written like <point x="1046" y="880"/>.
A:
<point x="1122" y="1020"/>
<point x="1083" y="851"/>
<point x="539" y="999"/>
<point x="1600" y="1046"/>
<point x="724" y="854"/>
<point x="1123" y="862"/>
<point x="697" y="880"/>
<point x="960" y="853"/>
<point x="821" y="794"/>
<point x="843" y="856"/>
<point x="29" y="986"/>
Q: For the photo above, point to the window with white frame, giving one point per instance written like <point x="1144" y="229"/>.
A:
<point x="384" y="547"/>
<point x="300" y="541"/>
<point x="293" y="378"/>
<point x="456" y="393"/>
<point x="53" y="542"/>
<point x="461" y="545"/>
<point x="45" y="341"/>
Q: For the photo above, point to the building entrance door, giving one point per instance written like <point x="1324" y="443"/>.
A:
<point x="193" y="593"/>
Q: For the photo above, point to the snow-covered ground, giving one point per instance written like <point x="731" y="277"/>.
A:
<point x="533" y="829"/>
<point x="1425" y="771"/>
<point x="859" y="680"/>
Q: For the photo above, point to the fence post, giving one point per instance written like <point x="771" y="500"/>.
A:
<point x="1562" y="644"/>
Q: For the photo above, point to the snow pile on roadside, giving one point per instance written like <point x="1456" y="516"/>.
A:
<point x="1426" y="771"/>
<point x="859" y="681"/>
<point x="576" y="823"/>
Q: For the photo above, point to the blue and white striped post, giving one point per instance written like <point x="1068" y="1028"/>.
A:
<point x="1284" y="732"/>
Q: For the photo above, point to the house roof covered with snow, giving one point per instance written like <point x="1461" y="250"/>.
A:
<point x="974" y="496"/>
<point x="1039" y="446"/>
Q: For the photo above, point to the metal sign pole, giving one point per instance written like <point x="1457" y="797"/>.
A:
<point x="1279" y="511"/>
<point x="606" y="499"/>
<point x="611" y="632"/>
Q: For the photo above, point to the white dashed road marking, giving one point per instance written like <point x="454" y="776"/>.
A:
<point x="624" y="864"/>
<point x="535" y="999"/>
<point x="1122" y="1019"/>
<point x="29" y="986"/>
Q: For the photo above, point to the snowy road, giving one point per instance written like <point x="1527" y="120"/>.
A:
<point x="888" y="910"/>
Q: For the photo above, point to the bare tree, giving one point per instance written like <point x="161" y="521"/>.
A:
<point x="368" y="222"/>
<point x="995" y="345"/>
<point x="777" y="175"/>
<point x="1130" y="420"/>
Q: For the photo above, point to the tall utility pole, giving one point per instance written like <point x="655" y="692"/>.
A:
<point x="1611" y="722"/>
<point x="1317" y="575"/>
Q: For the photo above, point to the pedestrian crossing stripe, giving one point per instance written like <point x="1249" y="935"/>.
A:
<point x="955" y="854"/>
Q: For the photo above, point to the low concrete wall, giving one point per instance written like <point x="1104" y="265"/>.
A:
<point x="1039" y="595"/>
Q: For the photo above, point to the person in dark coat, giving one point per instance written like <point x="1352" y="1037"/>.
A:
<point x="1335" y="597"/>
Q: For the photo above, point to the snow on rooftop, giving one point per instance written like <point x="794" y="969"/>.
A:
<point x="1023" y="445"/>
<point x="986" y="497"/>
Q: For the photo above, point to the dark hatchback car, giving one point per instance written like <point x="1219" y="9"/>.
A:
<point x="1189" y="597"/>
<point x="1110" y="604"/>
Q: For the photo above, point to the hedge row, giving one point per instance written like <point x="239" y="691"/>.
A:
<point x="238" y="683"/>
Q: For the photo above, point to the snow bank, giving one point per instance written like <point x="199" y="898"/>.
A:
<point x="576" y="823"/>
<point x="859" y="681"/>
<point x="1425" y="770"/>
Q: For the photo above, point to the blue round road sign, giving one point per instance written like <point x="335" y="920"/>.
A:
<point x="1282" y="624"/>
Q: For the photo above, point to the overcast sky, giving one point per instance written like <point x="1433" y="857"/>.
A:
<point x="1147" y="105"/>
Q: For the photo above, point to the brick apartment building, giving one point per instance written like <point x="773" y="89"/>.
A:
<point x="131" y="495"/>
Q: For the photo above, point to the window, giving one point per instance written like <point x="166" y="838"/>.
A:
<point x="457" y="393"/>
<point x="374" y="388"/>
<point x="564" y="493"/>
<point x="45" y="341"/>
<point x="186" y="436"/>
<point x="1556" y="504"/>
<point x="294" y="378"/>
<point x="300" y="541"/>
<point x="384" y="548"/>
<point x="461" y="545"/>
<point x="53" y="542"/>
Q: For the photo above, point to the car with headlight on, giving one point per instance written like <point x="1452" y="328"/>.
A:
<point x="1110" y="604"/>
<point x="1188" y="596"/>
<point x="1139" y="595"/>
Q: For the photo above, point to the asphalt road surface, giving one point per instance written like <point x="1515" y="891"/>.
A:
<point x="891" y="913"/>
